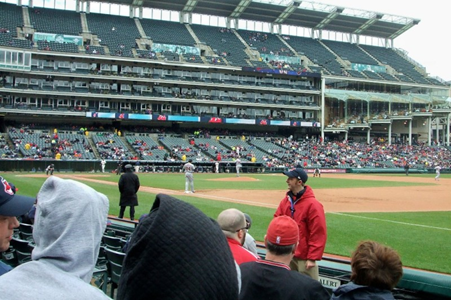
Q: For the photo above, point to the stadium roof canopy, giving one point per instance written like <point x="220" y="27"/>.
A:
<point x="290" y="12"/>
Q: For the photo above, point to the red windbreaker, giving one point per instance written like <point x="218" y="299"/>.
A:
<point x="309" y="214"/>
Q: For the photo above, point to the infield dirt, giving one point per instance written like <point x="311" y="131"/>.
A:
<point x="435" y="197"/>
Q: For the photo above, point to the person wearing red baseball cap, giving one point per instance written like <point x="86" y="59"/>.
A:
<point x="272" y="278"/>
<point x="11" y="207"/>
<point x="301" y="205"/>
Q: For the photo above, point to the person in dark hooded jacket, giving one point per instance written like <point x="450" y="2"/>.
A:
<point x="128" y="186"/>
<point x="376" y="269"/>
<point x="177" y="252"/>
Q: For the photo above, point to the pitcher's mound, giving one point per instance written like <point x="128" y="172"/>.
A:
<point x="235" y="179"/>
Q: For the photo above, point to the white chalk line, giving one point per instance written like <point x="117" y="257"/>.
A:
<point x="391" y="221"/>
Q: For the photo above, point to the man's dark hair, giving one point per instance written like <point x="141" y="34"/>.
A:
<point x="279" y="250"/>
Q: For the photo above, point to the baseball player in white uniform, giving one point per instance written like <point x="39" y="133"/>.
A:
<point x="437" y="173"/>
<point x="189" y="179"/>
<point x="102" y="165"/>
<point x="217" y="167"/>
<point x="238" y="166"/>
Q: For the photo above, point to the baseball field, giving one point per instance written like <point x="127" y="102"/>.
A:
<point x="409" y="213"/>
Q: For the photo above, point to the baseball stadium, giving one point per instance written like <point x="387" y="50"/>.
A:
<point x="90" y="87"/>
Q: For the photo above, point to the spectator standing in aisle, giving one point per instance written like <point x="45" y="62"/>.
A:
<point x="128" y="187"/>
<point x="301" y="205"/>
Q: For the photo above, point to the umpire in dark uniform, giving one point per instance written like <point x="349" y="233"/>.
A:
<point x="128" y="186"/>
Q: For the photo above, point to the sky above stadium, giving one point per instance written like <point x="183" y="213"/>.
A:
<point x="428" y="42"/>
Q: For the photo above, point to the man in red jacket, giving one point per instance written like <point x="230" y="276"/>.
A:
<point x="301" y="205"/>
<point x="233" y="225"/>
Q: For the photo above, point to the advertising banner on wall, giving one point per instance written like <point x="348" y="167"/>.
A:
<point x="58" y="38"/>
<point x="179" y="49"/>
<point x="372" y="68"/>
<point x="196" y="119"/>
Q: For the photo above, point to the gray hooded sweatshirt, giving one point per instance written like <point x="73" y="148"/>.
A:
<point x="70" y="220"/>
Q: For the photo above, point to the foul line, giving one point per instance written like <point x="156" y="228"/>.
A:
<point x="390" y="221"/>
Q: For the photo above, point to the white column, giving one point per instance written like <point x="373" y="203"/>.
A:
<point x="410" y="132"/>
<point x="429" y="130"/>
<point x="437" y="122"/>
<point x="448" y="129"/>
<point x="389" y="133"/>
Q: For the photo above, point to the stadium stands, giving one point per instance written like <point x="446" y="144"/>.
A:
<point x="11" y="17"/>
<point x="165" y="32"/>
<point x="393" y="59"/>
<point x="119" y="34"/>
<point x="223" y="42"/>
<point x="316" y="53"/>
<point x="55" y="21"/>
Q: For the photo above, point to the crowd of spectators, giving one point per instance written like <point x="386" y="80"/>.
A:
<point x="377" y="154"/>
<point x="47" y="146"/>
<point x="307" y="152"/>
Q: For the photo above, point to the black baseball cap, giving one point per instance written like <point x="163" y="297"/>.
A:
<point x="13" y="205"/>
<point x="297" y="173"/>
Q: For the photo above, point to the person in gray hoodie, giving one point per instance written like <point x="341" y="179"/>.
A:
<point x="70" y="220"/>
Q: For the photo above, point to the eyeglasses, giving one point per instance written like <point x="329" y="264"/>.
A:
<point x="247" y="227"/>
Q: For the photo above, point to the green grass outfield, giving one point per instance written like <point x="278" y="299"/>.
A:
<point x="422" y="238"/>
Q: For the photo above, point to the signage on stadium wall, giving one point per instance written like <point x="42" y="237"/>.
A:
<point x="183" y="118"/>
<point x="211" y="120"/>
<point x="281" y="71"/>
<point x="372" y="68"/>
<point x="239" y="121"/>
<point x="310" y="124"/>
<point x="196" y="119"/>
<point x="329" y="282"/>
<point x="58" y="38"/>
<point x="280" y="58"/>
<point x="327" y="170"/>
<point x="179" y="49"/>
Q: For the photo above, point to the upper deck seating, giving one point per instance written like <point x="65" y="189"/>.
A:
<point x="99" y="50"/>
<point x="55" y="21"/>
<point x="166" y="32"/>
<point x="372" y="75"/>
<point x="223" y="42"/>
<point x="118" y="33"/>
<point x="191" y="58"/>
<point x="11" y="17"/>
<point x="396" y="61"/>
<point x="59" y="47"/>
<point x="355" y="73"/>
<point x="350" y="52"/>
<point x="266" y="43"/>
<point x="146" y="54"/>
<point x="316" y="52"/>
